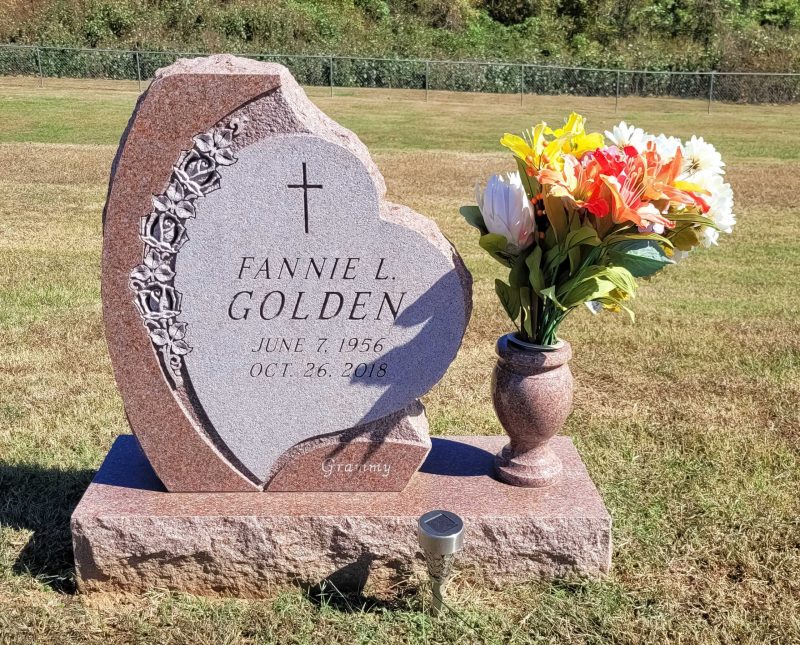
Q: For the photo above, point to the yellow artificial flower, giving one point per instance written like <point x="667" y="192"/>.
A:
<point x="584" y="143"/>
<point x="528" y="149"/>
<point x="574" y="125"/>
<point x="537" y="152"/>
<point x="517" y="145"/>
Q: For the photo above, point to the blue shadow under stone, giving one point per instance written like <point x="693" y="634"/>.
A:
<point x="127" y="466"/>
<point x="456" y="459"/>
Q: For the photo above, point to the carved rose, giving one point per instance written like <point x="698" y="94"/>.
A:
<point x="176" y="201"/>
<point x="171" y="338"/>
<point x="163" y="231"/>
<point x="217" y="145"/>
<point x="158" y="302"/>
<point x="155" y="266"/>
<point x="197" y="171"/>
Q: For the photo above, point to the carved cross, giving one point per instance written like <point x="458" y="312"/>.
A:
<point x="305" y="186"/>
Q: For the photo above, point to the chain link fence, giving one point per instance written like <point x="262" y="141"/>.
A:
<point x="424" y="75"/>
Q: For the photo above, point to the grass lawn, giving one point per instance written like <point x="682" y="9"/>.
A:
<point x="689" y="421"/>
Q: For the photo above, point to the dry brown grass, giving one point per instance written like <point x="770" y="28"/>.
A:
<point x="689" y="421"/>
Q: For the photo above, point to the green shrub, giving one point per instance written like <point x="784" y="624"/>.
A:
<point x="761" y="35"/>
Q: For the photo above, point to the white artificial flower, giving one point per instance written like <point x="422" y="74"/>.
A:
<point x="701" y="159"/>
<point x="623" y="135"/>
<point x="506" y="210"/>
<point x="652" y="227"/>
<point x="594" y="306"/>
<point x="666" y="147"/>
<point x="709" y="236"/>
<point x="721" y="209"/>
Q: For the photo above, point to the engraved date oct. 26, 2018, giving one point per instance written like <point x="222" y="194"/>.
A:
<point x="319" y="370"/>
<point x="315" y="363"/>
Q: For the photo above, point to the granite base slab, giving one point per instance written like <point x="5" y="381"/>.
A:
<point x="130" y="535"/>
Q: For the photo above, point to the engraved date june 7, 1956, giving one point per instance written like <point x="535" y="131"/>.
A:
<point x="320" y="345"/>
<point x="320" y="366"/>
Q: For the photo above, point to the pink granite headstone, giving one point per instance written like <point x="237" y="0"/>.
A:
<point x="272" y="320"/>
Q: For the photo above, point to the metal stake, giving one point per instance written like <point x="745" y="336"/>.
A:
<point x="427" y="72"/>
<point x="138" y="72"/>
<point x="711" y="91"/>
<point x="521" y="83"/>
<point x="441" y="536"/>
<point x="330" y="72"/>
<point x="39" y="64"/>
<point x="616" y="100"/>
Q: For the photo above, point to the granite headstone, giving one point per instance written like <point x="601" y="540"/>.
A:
<point x="272" y="320"/>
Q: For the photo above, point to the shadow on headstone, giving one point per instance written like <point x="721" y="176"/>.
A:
<point x="431" y="336"/>
<point x="396" y="394"/>
<point x="41" y="500"/>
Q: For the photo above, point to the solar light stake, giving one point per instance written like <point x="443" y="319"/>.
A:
<point x="441" y="536"/>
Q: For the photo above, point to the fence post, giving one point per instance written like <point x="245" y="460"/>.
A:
<point x="616" y="98"/>
<point x="39" y="65"/>
<point x="330" y="72"/>
<point x="710" y="91"/>
<point x="521" y="83"/>
<point x="138" y="71"/>
<point x="427" y="72"/>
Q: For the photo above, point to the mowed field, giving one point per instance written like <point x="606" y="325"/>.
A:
<point x="689" y="420"/>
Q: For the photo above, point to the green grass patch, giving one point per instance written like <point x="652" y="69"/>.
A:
<point x="688" y="420"/>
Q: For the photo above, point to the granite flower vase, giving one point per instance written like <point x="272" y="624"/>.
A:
<point x="532" y="394"/>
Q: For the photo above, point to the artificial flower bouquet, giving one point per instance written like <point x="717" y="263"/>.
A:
<point x="587" y="214"/>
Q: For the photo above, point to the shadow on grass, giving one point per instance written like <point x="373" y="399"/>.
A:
<point x="343" y="590"/>
<point x="41" y="500"/>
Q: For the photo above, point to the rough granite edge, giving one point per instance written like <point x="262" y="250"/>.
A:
<point x="307" y="115"/>
<point x="127" y="546"/>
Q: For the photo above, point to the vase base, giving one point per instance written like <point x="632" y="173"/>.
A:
<point x="537" y="468"/>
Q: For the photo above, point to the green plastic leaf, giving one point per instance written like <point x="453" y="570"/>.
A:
<point x="525" y="305"/>
<point x="518" y="278"/>
<point x="550" y="238"/>
<point x="692" y="218"/>
<point x="533" y="261"/>
<point x="554" y="257"/>
<point x="550" y="294"/>
<point x="597" y="283"/>
<point x="556" y="215"/>
<point x="621" y="277"/>
<point x="509" y="298"/>
<point x="686" y="237"/>
<point x="620" y="237"/>
<point x="586" y="234"/>
<point x="496" y="246"/>
<point x="594" y="288"/>
<point x="531" y="186"/>
<point x="575" y="222"/>
<point x="642" y="258"/>
<point x="473" y="216"/>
